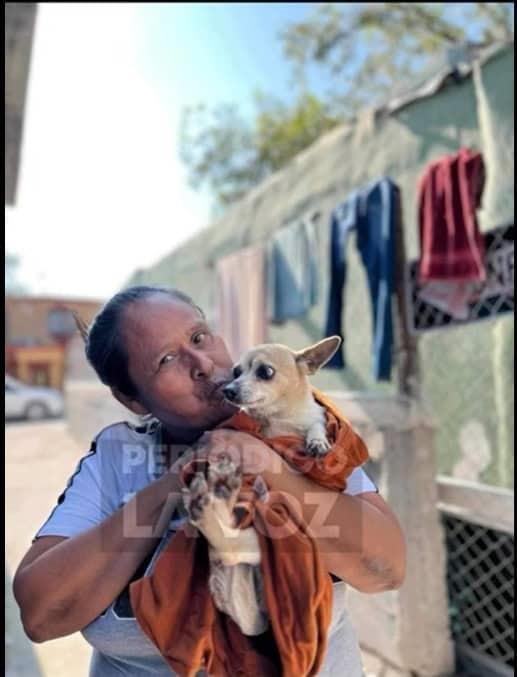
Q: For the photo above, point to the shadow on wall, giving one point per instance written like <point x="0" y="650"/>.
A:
<point x="20" y="659"/>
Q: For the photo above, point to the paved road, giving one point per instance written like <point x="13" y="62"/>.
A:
<point x="39" y="459"/>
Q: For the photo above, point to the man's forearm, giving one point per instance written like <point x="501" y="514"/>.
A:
<point x="356" y="540"/>
<point x="68" y="586"/>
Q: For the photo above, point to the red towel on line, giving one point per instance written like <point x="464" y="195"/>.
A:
<point x="451" y="245"/>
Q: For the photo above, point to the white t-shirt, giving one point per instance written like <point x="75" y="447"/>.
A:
<point x="122" y="461"/>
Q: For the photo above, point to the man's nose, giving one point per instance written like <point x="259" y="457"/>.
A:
<point x="202" y="366"/>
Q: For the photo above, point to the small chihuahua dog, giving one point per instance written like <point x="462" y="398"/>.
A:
<point x="271" y="385"/>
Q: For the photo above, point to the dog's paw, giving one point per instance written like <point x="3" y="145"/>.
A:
<point x="196" y="497"/>
<point x="224" y="478"/>
<point x="260" y="489"/>
<point x="318" y="446"/>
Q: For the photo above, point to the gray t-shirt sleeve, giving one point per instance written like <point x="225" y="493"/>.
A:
<point x="358" y="482"/>
<point x="88" y="498"/>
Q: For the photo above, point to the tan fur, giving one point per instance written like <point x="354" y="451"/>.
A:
<point x="284" y="404"/>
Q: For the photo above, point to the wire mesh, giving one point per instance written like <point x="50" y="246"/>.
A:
<point x="480" y="579"/>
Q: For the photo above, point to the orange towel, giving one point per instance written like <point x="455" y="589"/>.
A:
<point x="348" y="449"/>
<point x="174" y="607"/>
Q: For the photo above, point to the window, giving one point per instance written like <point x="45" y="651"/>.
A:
<point x="61" y="323"/>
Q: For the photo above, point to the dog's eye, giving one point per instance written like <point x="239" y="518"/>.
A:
<point x="265" y="372"/>
<point x="237" y="371"/>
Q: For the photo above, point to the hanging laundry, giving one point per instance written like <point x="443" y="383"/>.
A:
<point x="451" y="247"/>
<point x="292" y="272"/>
<point x="372" y="212"/>
<point x="241" y="299"/>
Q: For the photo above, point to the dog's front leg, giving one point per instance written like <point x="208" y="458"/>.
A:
<point x="210" y="508"/>
<point x="316" y="440"/>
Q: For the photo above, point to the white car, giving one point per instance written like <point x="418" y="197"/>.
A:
<point x="31" y="402"/>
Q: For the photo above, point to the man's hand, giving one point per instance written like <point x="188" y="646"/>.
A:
<point x="246" y="451"/>
<point x="368" y="552"/>
<point x="187" y="455"/>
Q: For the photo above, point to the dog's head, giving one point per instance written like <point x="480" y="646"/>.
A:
<point x="268" y="374"/>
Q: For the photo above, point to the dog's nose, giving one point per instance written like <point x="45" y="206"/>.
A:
<point x="230" y="392"/>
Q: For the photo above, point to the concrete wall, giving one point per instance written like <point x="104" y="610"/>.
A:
<point x="407" y="629"/>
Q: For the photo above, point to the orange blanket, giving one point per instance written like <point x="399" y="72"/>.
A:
<point x="174" y="606"/>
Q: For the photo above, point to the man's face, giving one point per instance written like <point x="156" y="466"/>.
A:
<point x="176" y="363"/>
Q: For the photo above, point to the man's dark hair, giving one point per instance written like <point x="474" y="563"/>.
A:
<point x="105" y="348"/>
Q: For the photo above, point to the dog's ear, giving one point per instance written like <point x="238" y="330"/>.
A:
<point x="314" y="357"/>
<point x="81" y="326"/>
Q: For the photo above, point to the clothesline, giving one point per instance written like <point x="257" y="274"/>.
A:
<point x="278" y="280"/>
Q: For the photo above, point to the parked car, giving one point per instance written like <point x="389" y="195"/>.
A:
<point x="31" y="402"/>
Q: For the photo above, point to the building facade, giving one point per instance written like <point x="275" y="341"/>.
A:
<point x="38" y="335"/>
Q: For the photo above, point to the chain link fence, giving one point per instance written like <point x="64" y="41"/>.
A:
<point x="467" y="379"/>
<point x="480" y="577"/>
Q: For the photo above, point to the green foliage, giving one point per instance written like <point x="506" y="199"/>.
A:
<point x="369" y="49"/>
<point x="220" y="149"/>
<point x="281" y="131"/>
<point x="365" y="51"/>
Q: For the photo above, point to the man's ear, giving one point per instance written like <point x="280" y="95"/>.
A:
<point x="131" y="404"/>
<point x="314" y="357"/>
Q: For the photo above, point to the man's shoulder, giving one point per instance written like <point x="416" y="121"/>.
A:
<point x="123" y="444"/>
<point x="126" y="431"/>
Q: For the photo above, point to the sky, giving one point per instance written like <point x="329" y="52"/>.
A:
<point x="101" y="190"/>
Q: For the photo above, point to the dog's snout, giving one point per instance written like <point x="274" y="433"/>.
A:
<point x="230" y="392"/>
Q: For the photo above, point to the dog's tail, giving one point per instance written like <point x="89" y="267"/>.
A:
<point x="81" y="326"/>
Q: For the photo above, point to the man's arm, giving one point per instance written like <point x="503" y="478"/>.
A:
<point x="359" y="537"/>
<point x="62" y="584"/>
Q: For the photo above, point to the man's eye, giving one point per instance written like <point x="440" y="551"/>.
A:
<point x="265" y="372"/>
<point x="167" y="358"/>
<point x="199" y="338"/>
